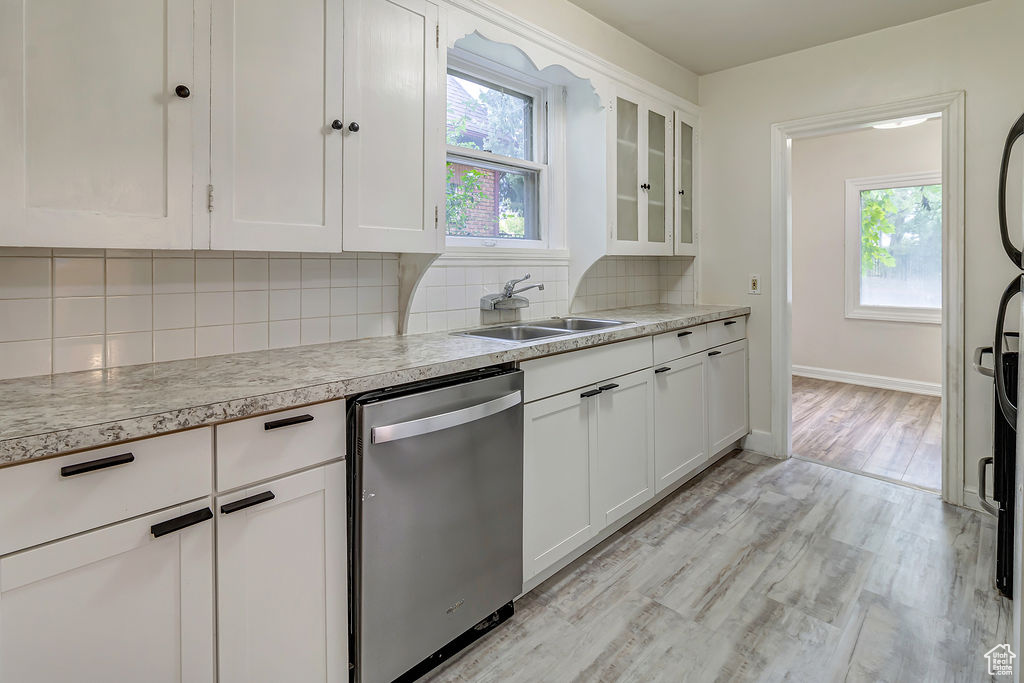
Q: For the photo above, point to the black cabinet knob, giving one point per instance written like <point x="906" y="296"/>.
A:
<point x="337" y="125"/>
<point x="182" y="91"/>
<point x="353" y="126"/>
<point x="682" y="192"/>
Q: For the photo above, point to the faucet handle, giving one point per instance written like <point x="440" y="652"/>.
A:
<point x="511" y="284"/>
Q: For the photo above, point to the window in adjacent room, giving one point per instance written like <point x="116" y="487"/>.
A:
<point x="496" y="160"/>
<point x="894" y="248"/>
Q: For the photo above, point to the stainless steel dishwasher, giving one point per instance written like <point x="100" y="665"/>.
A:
<point x="435" y="517"/>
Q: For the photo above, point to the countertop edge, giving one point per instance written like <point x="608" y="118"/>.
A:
<point x="29" y="448"/>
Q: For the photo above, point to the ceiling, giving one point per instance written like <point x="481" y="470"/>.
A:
<point x="710" y="35"/>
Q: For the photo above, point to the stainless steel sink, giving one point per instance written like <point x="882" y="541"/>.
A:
<point x="579" y="324"/>
<point x="514" y="332"/>
<point x="541" y="329"/>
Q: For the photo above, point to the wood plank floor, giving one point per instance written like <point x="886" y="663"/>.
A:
<point x="891" y="434"/>
<point x="764" y="570"/>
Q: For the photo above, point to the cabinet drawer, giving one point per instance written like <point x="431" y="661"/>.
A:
<point x="555" y="374"/>
<point x="50" y="499"/>
<point x="725" y="331"/>
<point x="679" y="343"/>
<point x="270" y="445"/>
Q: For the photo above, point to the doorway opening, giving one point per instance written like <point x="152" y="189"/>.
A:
<point x="866" y="215"/>
<point x="867" y="331"/>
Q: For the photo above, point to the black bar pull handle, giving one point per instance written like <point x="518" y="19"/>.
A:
<point x="685" y="333"/>
<point x="588" y="394"/>
<point x="660" y="370"/>
<point x="609" y="387"/>
<point x="731" y="322"/>
<point x="713" y="353"/>
<point x="228" y="508"/>
<point x="287" y="421"/>
<point x="179" y="523"/>
<point x="1016" y="131"/>
<point x="93" y="465"/>
<point x="1002" y="398"/>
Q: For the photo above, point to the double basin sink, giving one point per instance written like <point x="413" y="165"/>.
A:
<point x="555" y="327"/>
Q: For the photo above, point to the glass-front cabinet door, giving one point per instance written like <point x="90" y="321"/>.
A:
<point x="658" y="192"/>
<point x="627" y="171"/>
<point x="685" y="226"/>
<point x="640" y="176"/>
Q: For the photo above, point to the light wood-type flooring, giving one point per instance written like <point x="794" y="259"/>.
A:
<point x="890" y="434"/>
<point x="764" y="570"/>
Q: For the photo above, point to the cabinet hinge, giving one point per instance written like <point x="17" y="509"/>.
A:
<point x="209" y="198"/>
<point x="435" y="217"/>
<point x="437" y="35"/>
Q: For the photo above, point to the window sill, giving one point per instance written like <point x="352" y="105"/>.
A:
<point x="926" y="316"/>
<point x="460" y="256"/>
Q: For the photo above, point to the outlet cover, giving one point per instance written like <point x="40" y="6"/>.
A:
<point x="754" y="284"/>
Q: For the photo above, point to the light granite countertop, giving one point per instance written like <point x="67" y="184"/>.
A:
<point x="50" y="414"/>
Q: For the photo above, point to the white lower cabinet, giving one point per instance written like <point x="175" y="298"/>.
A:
<point x="559" y="511"/>
<point x="281" y="579"/>
<point x="625" y="444"/>
<point x="115" y="604"/>
<point x="680" y="418"/>
<point x="728" y="417"/>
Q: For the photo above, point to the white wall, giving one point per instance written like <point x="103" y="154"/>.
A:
<point x="587" y="31"/>
<point x="979" y="49"/>
<point x="823" y="337"/>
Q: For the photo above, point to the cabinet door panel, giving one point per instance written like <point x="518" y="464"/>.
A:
<point x="97" y="146"/>
<point x="115" y="604"/>
<point x="281" y="581"/>
<point x="627" y="171"/>
<point x="625" y="448"/>
<point x="727" y="395"/>
<point x="680" y="420"/>
<point x="276" y="161"/>
<point x="684" y="187"/>
<point x="393" y="163"/>
<point x="659" y="173"/>
<point x="558" y="475"/>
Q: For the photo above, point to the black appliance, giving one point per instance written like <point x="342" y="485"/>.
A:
<point x="1005" y="373"/>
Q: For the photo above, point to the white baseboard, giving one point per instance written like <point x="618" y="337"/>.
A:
<point x="865" y="380"/>
<point x="758" y="441"/>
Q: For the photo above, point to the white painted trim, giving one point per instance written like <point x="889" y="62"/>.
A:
<point x="854" y="308"/>
<point x="865" y="380"/>
<point x="951" y="106"/>
<point x="758" y="441"/>
<point x="502" y="257"/>
<point x="539" y="36"/>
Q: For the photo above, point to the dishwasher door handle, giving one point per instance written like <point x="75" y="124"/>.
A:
<point x="435" y="423"/>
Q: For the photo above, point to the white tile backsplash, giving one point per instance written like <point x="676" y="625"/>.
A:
<point x="448" y="297"/>
<point x="617" y="281"/>
<point x="63" y="310"/>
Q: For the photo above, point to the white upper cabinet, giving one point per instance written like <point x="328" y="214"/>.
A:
<point x="640" y="192"/>
<point x="97" y="145"/>
<point x="394" y="137"/>
<point x="685" y="194"/>
<point x="276" y="160"/>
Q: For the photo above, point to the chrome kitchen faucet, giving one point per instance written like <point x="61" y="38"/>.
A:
<point x="507" y="299"/>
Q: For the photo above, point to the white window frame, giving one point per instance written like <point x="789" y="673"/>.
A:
<point x="548" y="156"/>
<point x="854" y="308"/>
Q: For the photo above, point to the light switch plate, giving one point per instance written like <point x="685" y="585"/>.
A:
<point x="754" y="284"/>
